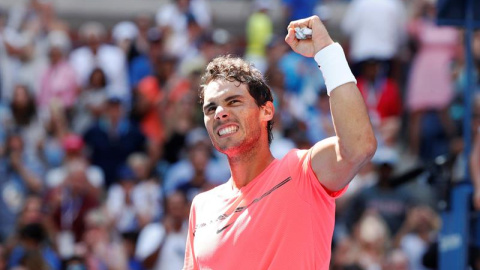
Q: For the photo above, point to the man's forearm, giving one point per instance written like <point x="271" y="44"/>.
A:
<point x="352" y="124"/>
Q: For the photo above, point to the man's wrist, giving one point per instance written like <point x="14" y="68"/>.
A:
<point x="334" y="66"/>
<point x="323" y="46"/>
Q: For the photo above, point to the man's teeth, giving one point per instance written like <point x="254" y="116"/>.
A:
<point x="227" y="130"/>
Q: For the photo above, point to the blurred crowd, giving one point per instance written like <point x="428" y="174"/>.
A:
<point x="102" y="144"/>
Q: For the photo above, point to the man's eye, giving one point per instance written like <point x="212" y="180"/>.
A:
<point x="234" y="101"/>
<point x="210" y="109"/>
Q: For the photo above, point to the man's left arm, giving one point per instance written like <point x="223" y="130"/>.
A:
<point x="336" y="160"/>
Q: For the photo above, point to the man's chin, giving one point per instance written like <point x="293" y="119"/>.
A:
<point x="227" y="149"/>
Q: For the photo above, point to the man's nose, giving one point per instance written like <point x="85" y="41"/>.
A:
<point x="221" y="112"/>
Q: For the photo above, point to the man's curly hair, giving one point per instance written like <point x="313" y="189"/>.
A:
<point x="231" y="68"/>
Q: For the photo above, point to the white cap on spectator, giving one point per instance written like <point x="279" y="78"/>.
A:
<point x="194" y="64"/>
<point x="59" y="39"/>
<point x="124" y="30"/>
<point x="14" y="38"/>
<point x="95" y="29"/>
<point x="220" y="36"/>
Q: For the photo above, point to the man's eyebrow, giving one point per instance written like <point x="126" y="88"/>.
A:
<point x="233" y="97"/>
<point x="227" y="99"/>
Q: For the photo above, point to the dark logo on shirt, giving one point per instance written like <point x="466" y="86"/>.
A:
<point x="240" y="209"/>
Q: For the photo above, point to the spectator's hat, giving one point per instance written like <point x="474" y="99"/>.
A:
<point x="92" y="29"/>
<point x="60" y="40"/>
<point x="221" y="36"/>
<point x="72" y="143"/>
<point x="114" y="100"/>
<point x="124" y="30"/>
<point x="125" y="173"/>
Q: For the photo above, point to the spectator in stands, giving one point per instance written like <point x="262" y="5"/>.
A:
<point x="33" y="251"/>
<point x="182" y="116"/>
<point x="161" y="245"/>
<point x="112" y="139"/>
<point x="148" y="185"/>
<point x="36" y="212"/>
<point x="21" y="174"/>
<point x="296" y="10"/>
<point x="302" y="82"/>
<point x="21" y="115"/>
<point x="56" y="128"/>
<point x="259" y="31"/>
<point x="129" y="245"/>
<point x="124" y="34"/>
<point x="90" y="104"/>
<point x="172" y="18"/>
<point x="430" y="86"/>
<point x="142" y="65"/>
<point x="417" y="233"/>
<point x="73" y="147"/>
<point x="383" y="100"/>
<point x="378" y="37"/>
<point x="157" y="95"/>
<point x="27" y="62"/>
<point x="143" y="21"/>
<point x="283" y="118"/>
<point x="97" y="53"/>
<point x="198" y="155"/>
<point x="101" y="246"/>
<point x="396" y="260"/>
<point x="70" y="202"/>
<point x="58" y="82"/>
<point x="128" y="204"/>
<point x="320" y="124"/>
<point x="366" y="178"/>
<point x="198" y="170"/>
<point x="389" y="201"/>
<point x="148" y="110"/>
<point x="366" y="247"/>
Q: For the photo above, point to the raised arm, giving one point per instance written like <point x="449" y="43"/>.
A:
<point x="336" y="160"/>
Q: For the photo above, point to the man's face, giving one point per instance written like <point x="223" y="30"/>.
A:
<point x="114" y="111"/>
<point x="233" y="120"/>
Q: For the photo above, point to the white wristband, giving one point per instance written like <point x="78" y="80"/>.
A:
<point x="334" y="66"/>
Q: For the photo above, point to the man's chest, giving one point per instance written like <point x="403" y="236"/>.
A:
<point x="251" y="221"/>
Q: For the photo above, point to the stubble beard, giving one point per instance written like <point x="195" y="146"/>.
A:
<point x="240" y="149"/>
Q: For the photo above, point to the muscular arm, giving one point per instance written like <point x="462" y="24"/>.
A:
<point x="337" y="159"/>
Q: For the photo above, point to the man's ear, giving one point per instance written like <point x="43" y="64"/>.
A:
<point x="267" y="111"/>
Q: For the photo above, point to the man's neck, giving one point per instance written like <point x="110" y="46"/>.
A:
<point x="246" y="166"/>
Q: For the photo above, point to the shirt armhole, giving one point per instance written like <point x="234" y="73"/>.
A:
<point x="334" y="194"/>
<point x="326" y="191"/>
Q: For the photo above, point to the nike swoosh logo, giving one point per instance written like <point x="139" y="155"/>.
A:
<point x="222" y="229"/>
<point x="240" y="209"/>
